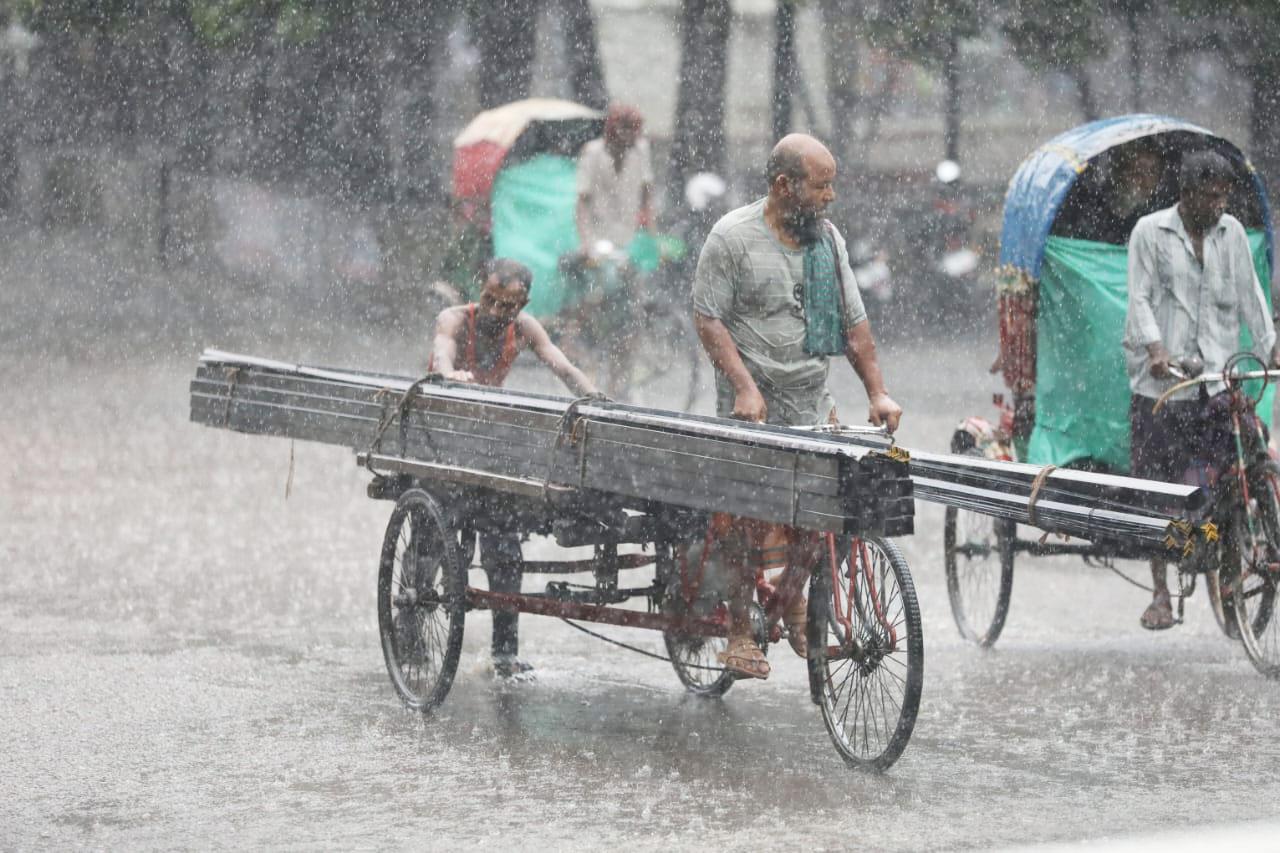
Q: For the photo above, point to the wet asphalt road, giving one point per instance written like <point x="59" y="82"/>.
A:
<point x="188" y="659"/>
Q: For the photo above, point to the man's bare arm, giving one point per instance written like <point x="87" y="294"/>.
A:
<point x="748" y="403"/>
<point x="860" y="349"/>
<point x="552" y="356"/>
<point x="444" y="349"/>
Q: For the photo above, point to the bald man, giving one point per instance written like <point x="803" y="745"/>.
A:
<point x="774" y="298"/>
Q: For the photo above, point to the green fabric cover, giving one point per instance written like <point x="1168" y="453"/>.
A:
<point x="645" y="253"/>
<point x="824" y="321"/>
<point x="532" y="210"/>
<point x="1082" y="388"/>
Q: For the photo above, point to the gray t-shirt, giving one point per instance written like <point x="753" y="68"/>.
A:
<point x="748" y="280"/>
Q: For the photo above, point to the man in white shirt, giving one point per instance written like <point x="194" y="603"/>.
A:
<point x="615" y="182"/>
<point x="1191" y="284"/>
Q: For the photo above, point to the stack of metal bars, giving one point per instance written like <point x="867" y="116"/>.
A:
<point x="522" y="442"/>
<point x="1143" y="514"/>
<point x="851" y="481"/>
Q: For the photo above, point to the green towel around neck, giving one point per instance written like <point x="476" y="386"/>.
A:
<point x="824" y="319"/>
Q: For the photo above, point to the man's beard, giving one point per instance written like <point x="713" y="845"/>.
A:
<point x="489" y="326"/>
<point x="804" y="225"/>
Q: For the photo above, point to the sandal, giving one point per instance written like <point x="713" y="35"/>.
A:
<point x="797" y="621"/>
<point x="1159" y="614"/>
<point x="743" y="657"/>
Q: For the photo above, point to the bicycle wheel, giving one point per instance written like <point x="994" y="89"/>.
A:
<point x="663" y="361"/>
<point x="978" y="556"/>
<point x="696" y="661"/>
<point x="866" y="650"/>
<point x="1222" y="607"/>
<point x="1257" y="534"/>
<point x="421" y="601"/>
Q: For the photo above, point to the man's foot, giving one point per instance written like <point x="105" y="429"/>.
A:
<point x="1159" y="614"/>
<point x="512" y="667"/>
<point x="797" y="621"/>
<point x="743" y="657"/>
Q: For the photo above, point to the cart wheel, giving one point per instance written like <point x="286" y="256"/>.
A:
<point x="696" y="658"/>
<point x="1256" y="532"/>
<point x="421" y="601"/>
<point x="978" y="554"/>
<point x="866" y="651"/>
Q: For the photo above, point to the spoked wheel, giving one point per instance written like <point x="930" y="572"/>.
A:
<point x="696" y="662"/>
<point x="694" y="657"/>
<point x="421" y="601"/>
<point x="978" y="554"/>
<point x="1223" y="607"/>
<point x="662" y="361"/>
<point x="866" y="650"/>
<point x="1257" y="534"/>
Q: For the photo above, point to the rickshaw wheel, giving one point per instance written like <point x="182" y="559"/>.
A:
<point x="421" y="601"/>
<point x="1224" y="609"/>
<point x="978" y="555"/>
<point x="1254" y="588"/>
<point x="866" y="651"/>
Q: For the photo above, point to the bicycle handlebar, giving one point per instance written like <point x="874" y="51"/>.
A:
<point x="1228" y="376"/>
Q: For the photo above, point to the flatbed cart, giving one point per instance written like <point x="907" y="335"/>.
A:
<point x="649" y="492"/>
<point x="864" y="629"/>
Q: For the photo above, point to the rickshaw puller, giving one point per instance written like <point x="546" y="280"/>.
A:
<point x="1191" y="282"/>
<point x="479" y="342"/>
<point x="774" y="297"/>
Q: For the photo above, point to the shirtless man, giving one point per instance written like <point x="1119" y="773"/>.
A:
<point x="479" y="342"/>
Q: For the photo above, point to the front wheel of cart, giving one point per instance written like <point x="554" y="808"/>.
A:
<point x="978" y="556"/>
<point x="1256" y="531"/>
<point x="421" y="601"/>
<point x="866" y="650"/>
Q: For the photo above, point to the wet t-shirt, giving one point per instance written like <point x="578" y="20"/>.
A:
<point x="753" y="284"/>
<point x="612" y="196"/>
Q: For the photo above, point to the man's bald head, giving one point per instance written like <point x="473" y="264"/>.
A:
<point x="795" y="156"/>
<point x="801" y="173"/>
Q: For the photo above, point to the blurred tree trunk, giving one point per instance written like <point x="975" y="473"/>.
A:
<point x="9" y="128"/>
<point x="192" y="90"/>
<point x="422" y="179"/>
<point x="839" y="34"/>
<point x="505" y="34"/>
<point x="1135" y="58"/>
<point x="1264" y="121"/>
<point x="586" y="75"/>
<point x="8" y="144"/>
<point x="698" y="142"/>
<point x="358" y="144"/>
<point x="1084" y="92"/>
<point x="951" y="75"/>
<point x="785" y="69"/>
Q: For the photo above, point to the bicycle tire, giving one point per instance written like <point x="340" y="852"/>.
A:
<point x="1257" y="533"/>
<point x="866" y="594"/>
<point x="421" y="601"/>
<point x="979" y="597"/>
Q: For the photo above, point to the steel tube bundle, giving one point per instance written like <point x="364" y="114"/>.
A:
<point x="1145" y="515"/>
<point x="532" y="444"/>
<point x="528" y="443"/>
